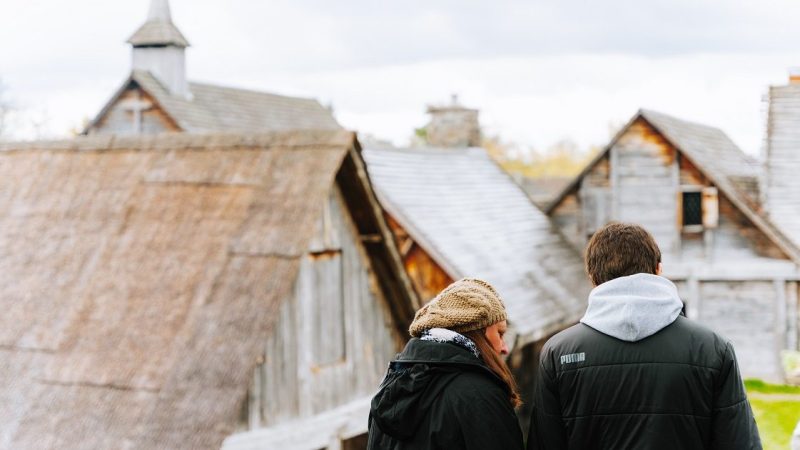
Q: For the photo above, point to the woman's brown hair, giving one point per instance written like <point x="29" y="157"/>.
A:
<point x="495" y="363"/>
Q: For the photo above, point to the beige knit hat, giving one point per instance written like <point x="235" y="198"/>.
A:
<point x="468" y="304"/>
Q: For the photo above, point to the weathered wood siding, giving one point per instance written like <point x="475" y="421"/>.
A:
<point x="644" y="178"/>
<point x="758" y="316"/>
<point x="120" y="119"/>
<point x="596" y="199"/>
<point x="333" y="337"/>
<point x="745" y="312"/>
<point x="567" y="216"/>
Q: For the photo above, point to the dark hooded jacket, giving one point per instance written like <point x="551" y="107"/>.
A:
<point x="438" y="395"/>
<point x="635" y="374"/>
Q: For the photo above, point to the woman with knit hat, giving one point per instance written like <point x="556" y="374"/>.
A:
<point x="450" y="388"/>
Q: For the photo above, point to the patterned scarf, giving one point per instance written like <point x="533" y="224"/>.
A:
<point x="445" y="335"/>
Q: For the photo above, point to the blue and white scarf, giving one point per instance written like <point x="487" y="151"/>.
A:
<point x="445" y="335"/>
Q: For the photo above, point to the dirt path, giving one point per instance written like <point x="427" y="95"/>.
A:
<point x="775" y="397"/>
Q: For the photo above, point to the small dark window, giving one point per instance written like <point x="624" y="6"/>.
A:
<point x="692" y="208"/>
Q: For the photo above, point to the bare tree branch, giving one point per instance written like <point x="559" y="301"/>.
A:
<point x="6" y="108"/>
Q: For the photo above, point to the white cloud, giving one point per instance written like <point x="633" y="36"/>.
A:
<point x="540" y="100"/>
<point x="539" y="71"/>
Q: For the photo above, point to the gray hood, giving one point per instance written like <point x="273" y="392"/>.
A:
<point x="634" y="307"/>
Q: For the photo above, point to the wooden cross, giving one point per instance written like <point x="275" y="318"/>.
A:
<point x="137" y="106"/>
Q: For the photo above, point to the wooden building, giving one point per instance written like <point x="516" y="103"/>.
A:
<point x="173" y="291"/>
<point x="157" y="97"/>
<point x="698" y="193"/>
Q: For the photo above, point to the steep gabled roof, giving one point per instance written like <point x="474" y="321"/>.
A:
<point x="224" y="109"/>
<point x="473" y="220"/>
<point x="715" y="155"/>
<point x="141" y="276"/>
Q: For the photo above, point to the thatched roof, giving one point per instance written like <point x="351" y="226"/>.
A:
<point x="139" y="278"/>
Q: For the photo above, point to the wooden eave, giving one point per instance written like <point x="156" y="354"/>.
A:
<point x="378" y="239"/>
<point x="420" y="240"/>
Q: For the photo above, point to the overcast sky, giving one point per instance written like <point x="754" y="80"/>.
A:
<point x="539" y="71"/>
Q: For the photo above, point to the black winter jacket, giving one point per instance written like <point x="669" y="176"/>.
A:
<point x="438" y="395"/>
<point x="677" y="389"/>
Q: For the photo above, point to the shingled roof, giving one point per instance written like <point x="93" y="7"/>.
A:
<point x="139" y="278"/>
<point x="473" y="220"/>
<point x="225" y="109"/>
<point x="158" y="33"/>
<point x="709" y="147"/>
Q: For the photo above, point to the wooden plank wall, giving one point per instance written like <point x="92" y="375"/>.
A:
<point x="644" y="183"/>
<point x="567" y="217"/>
<point x="760" y="318"/>
<point x="735" y="240"/>
<point x="119" y="120"/>
<point x="745" y="312"/>
<point x="596" y="199"/>
<point x="333" y="340"/>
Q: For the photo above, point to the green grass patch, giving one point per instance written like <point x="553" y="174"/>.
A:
<point x="762" y="387"/>
<point x="776" y="421"/>
<point x="776" y="411"/>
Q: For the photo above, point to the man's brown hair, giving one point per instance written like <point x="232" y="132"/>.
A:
<point x="621" y="249"/>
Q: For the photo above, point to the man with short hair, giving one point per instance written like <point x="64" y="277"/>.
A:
<point x="635" y="373"/>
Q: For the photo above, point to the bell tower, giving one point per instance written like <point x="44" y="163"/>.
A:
<point x="160" y="48"/>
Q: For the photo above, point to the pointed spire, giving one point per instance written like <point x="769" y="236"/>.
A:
<point x="158" y="30"/>
<point x="159" y="11"/>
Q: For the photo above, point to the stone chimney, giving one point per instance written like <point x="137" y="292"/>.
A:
<point x="794" y="75"/>
<point x="160" y="48"/>
<point x="453" y="126"/>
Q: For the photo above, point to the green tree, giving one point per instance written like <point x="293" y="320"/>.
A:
<point x="564" y="159"/>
